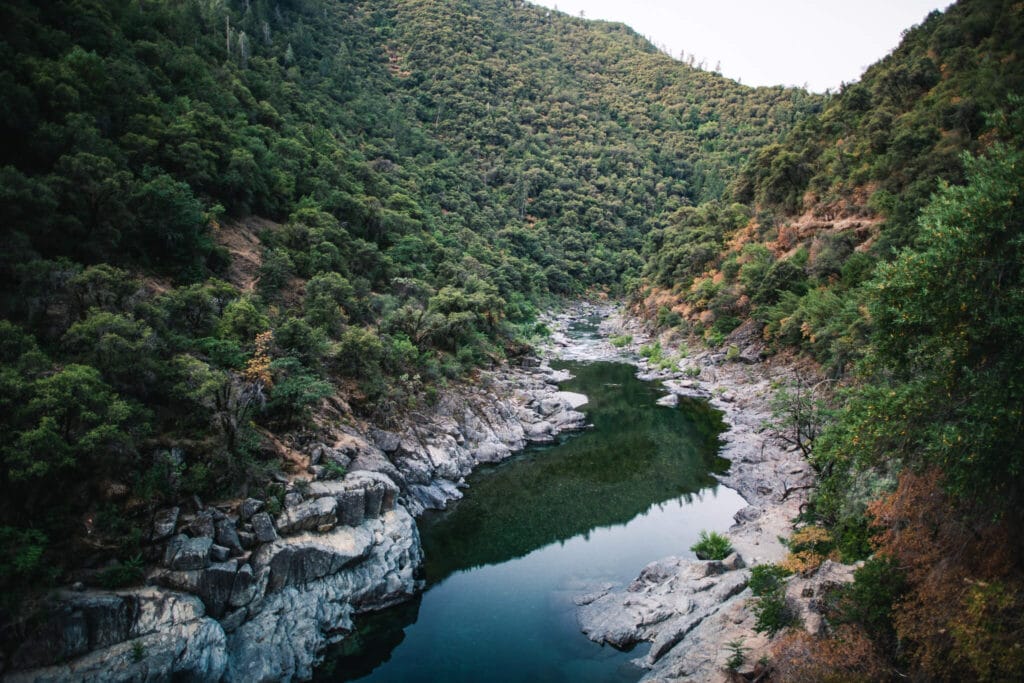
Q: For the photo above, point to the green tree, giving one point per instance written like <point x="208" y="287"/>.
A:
<point x="72" y="421"/>
<point x="295" y="391"/>
<point x="949" y="317"/>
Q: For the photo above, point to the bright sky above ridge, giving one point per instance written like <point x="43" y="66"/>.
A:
<point x="769" y="42"/>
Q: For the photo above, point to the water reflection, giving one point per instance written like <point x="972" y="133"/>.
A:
<point x="504" y="563"/>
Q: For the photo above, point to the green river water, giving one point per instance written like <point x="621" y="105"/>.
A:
<point x="503" y="564"/>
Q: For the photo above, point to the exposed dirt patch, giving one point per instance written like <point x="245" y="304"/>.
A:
<point x="241" y="239"/>
<point x="295" y="463"/>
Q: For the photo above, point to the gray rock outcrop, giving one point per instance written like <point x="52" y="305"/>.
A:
<point x="143" y="635"/>
<point x="672" y="600"/>
<point x="247" y="597"/>
<point x="311" y="515"/>
<point x="315" y="588"/>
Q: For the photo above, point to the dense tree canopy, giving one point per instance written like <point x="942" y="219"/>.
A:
<point x="217" y="213"/>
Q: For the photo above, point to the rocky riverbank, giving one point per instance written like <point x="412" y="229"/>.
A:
<point x="688" y="609"/>
<point x="254" y="590"/>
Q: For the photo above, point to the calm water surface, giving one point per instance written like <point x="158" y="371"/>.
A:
<point x="503" y="564"/>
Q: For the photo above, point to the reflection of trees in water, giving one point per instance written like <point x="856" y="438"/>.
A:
<point x="637" y="454"/>
<point x="370" y="645"/>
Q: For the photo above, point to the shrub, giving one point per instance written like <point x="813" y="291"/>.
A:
<point x="712" y="546"/>
<point x="868" y="601"/>
<point x="846" y="656"/>
<point x="122" y="574"/>
<point x="668" y="318"/>
<point x="737" y="654"/>
<point x="657" y="357"/>
<point x="767" y="578"/>
<point x="620" y="340"/>
<point x="773" y="613"/>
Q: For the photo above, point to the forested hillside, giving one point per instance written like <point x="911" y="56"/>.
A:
<point x="883" y="239"/>
<point x="217" y="216"/>
<point x="222" y="218"/>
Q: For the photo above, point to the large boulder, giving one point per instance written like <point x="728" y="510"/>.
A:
<point x="263" y="528"/>
<point x="248" y="508"/>
<point x="361" y="495"/>
<point x="164" y="523"/>
<point x="298" y="560"/>
<point x="227" y="535"/>
<point x="183" y="553"/>
<point x="318" y="514"/>
<point x="386" y="441"/>
<point x="216" y="585"/>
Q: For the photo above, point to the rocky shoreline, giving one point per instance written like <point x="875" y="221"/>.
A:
<point x="241" y="594"/>
<point x="688" y="609"/>
<point x="249" y="592"/>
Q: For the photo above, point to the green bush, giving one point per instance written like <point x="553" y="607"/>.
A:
<point x="766" y="578"/>
<point x="333" y="470"/>
<point x="712" y="546"/>
<point x="657" y="357"/>
<point x="868" y="601"/>
<point x="737" y="654"/>
<point x="122" y="574"/>
<point x="668" y="317"/>
<point x="773" y="613"/>
<point x="621" y="340"/>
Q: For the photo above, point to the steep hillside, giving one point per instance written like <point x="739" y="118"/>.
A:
<point x="220" y="217"/>
<point x="584" y="134"/>
<point x="883" y="238"/>
<point x="815" y="211"/>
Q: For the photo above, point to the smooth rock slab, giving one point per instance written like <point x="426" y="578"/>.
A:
<point x="298" y="560"/>
<point x="571" y="398"/>
<point x="670" y="600"/>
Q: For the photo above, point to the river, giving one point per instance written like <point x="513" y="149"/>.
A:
<point x="503" y="564"/>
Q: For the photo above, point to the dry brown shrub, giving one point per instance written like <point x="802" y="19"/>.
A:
<point x="847" y="656"/>
<point x="257" y="369"/>
<point x="963" y="615"/>
<point x="807" y="550"/>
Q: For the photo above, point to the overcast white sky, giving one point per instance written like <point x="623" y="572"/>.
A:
<point x="769" y="42"/>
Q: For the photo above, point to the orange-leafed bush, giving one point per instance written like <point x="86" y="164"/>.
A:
<point x="257" y="369"/>
<point x="848" y="656"/>
<point x="809" y="547"/>
<point x="962" y="617"/>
